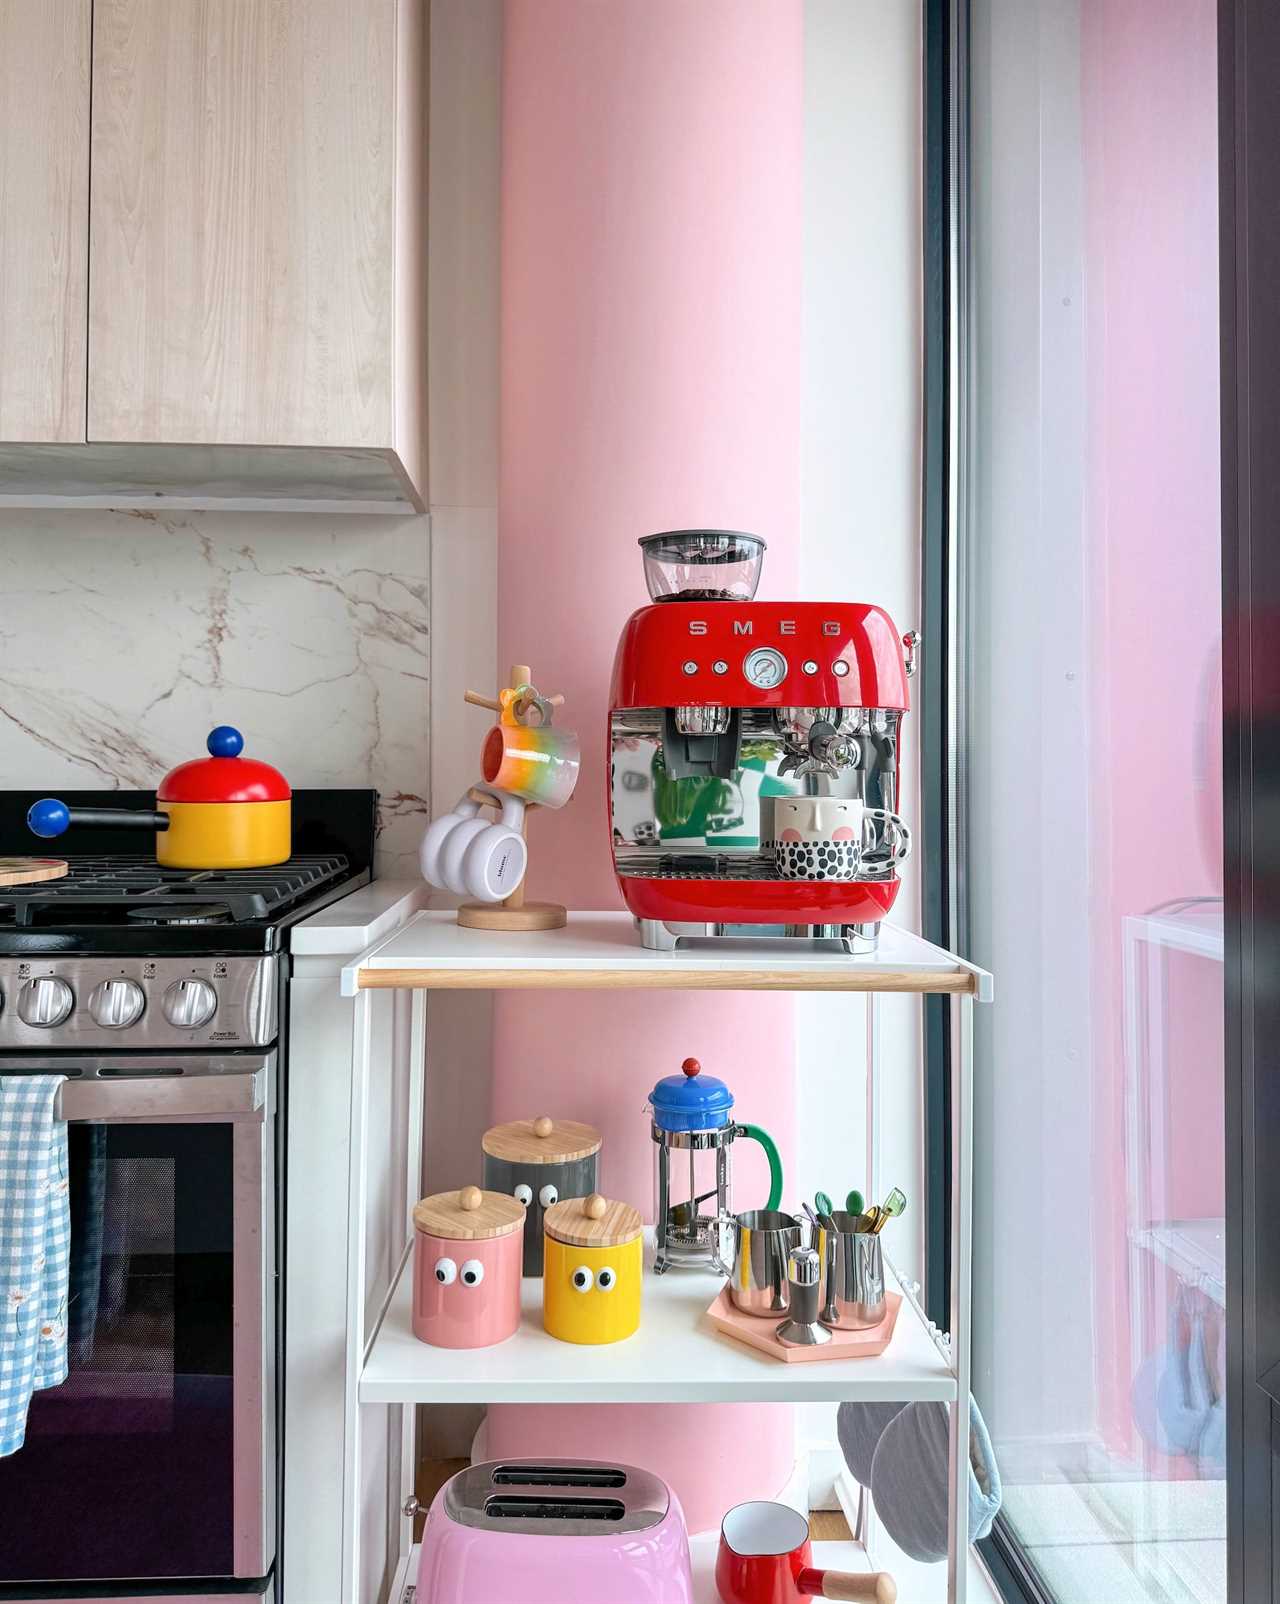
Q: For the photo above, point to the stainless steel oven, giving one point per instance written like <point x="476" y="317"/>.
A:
<point x="154" y="1462"/>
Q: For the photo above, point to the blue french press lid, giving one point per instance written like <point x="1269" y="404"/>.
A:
<point x="691" y="1101"/>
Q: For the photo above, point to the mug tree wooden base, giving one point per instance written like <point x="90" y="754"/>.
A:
<point x="503" y="916"/>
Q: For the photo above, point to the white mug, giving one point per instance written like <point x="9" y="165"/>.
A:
<point x="463" y="852"/>
<point x="825" y="838"/>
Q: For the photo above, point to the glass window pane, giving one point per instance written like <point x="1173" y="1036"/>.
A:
<point x="1096" y="812"/>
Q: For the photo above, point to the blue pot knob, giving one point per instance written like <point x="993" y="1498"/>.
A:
<point x="48" y="817"/>
<point x="225" y="742"/>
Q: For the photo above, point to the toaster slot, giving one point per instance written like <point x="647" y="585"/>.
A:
<point x="559" y="1476"/>
<point x="515" y="1507"/>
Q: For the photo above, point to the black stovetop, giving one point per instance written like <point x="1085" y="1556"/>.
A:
<point x="117" y="902"/>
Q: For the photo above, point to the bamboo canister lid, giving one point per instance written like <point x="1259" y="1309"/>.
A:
<point x="592" y="1222"/>
<point x="541" y="1141"/>
<point x="469" y="1215"/>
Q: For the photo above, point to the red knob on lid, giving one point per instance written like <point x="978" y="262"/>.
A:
<point x="691" y="1067"/>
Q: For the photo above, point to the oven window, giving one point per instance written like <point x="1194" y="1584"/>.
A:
<point x="127" y="1468"/>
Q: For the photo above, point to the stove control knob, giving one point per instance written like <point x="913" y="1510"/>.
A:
<point x="46" y="1002"/>
<point x="116" y="1004"/>
<point x="188" y="1004"/>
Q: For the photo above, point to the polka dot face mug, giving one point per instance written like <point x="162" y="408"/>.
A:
<point x="836" y="838"/>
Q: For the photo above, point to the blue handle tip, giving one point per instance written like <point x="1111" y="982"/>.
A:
<point x="48" y="817"/>
<point x="225" y="742"/>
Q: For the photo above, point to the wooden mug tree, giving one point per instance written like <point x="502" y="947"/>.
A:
<point x="514" y="913"/>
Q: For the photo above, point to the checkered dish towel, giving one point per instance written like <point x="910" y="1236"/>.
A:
<point x="35" y="1248"/>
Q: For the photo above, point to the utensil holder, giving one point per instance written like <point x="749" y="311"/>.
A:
<point x="853" y="1289"/>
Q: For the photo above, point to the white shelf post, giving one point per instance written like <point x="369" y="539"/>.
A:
<point x="961" y="1289"/>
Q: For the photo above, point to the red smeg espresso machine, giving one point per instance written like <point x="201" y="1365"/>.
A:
<point x="754" y="751"/>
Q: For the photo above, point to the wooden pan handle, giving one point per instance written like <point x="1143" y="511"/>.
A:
<point x="859" y="1587"/>
<point x="476" y="700"/>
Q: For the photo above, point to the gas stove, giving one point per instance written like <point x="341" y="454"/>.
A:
<point x="121" y="954"/>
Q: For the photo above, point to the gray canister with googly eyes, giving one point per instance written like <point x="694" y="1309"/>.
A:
<point x="539" y="1161"/>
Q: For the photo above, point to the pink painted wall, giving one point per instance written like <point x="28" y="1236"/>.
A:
<point x="651" y="237"/>
<point x="1149" y="114"/>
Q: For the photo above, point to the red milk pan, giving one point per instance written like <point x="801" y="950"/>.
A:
<point x="765" y="1558"/>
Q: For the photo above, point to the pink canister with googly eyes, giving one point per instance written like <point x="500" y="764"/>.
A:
<point x="466" y="1268"/>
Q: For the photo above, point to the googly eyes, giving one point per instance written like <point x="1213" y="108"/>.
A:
<point x="582" y="1279"/>
<point x="524" y="1194"/>
<point x="607" y="1279"/>
<point x="447" y="1272"/>
<point x="548" y="1196"/>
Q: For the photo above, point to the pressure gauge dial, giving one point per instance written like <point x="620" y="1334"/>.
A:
<point x="765" y="668"/>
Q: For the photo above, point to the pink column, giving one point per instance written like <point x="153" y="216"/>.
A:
<point x="650" y="380"/>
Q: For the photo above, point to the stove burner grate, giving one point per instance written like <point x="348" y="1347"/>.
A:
<point x="194" y="913"/>
<point x="142" y="891"/>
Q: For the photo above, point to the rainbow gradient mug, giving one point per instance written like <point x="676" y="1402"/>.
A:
<point x="533" y="761"/>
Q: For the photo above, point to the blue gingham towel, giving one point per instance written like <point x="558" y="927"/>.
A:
<point x="35" y="1248"/>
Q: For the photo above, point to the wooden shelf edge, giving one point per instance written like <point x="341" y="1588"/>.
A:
<point x="958" y="982"/>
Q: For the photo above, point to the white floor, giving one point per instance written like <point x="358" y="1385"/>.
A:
<point x="1125" y="1542"/>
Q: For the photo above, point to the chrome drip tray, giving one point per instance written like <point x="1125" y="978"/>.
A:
<point x="659" y="935"/>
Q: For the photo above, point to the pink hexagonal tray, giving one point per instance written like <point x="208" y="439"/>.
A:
<point x="757" y="1333"/>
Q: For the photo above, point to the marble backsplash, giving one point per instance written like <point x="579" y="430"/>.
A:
<point x="124" y="637"/>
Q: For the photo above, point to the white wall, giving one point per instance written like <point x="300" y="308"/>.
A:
<point x="465" y="143"/>
<point x="861" y="510"/>
<point x="862" y="409"/>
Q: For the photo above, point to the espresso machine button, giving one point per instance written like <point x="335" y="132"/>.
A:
<point x="690" y="667"/>
<point x="719" y="666"/>
<point x="840" y="667"/>
<point x="808" y="666"/>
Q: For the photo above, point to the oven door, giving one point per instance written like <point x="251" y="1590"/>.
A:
<point x="155" y="1458"/>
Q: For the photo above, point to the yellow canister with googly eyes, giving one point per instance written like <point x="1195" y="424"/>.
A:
<point x="593" y="1266"/>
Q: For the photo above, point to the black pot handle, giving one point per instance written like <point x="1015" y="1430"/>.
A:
<point x="49" y="817"/>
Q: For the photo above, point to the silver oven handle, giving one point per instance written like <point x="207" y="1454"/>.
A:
<point x="208" y="1090"/>
<point x="169" y="1100"/>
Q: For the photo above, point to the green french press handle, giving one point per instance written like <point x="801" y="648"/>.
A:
<point x="775" y="1163"/>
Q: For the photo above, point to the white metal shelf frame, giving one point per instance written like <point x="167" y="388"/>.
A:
<point x="600" y="950"/>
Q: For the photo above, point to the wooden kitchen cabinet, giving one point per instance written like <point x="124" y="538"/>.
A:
<point x="256" y="260"/>
<point x="44" y="217"/>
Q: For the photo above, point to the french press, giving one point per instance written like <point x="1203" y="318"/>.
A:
<point x="694" y="1132"/>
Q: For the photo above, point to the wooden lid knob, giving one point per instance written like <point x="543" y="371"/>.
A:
<point x="594" y="1207"/>
<point x="470" y="1198"/>
<point x="543" y="1126"/>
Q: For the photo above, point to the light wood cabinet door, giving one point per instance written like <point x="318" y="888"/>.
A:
<point x="44" y="217"/>
<point x="242" y="237"/>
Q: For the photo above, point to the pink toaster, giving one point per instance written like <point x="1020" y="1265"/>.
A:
<point x="523" y="1532"/>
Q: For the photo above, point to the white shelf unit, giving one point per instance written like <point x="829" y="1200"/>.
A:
<point x="827" y="1556"/>
<point x="676" y="1356"/>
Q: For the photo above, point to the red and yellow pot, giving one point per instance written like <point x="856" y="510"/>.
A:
<point x="223" y="811"/>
